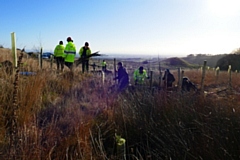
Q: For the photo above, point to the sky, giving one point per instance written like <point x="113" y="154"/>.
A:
<point x="154" y="27"/>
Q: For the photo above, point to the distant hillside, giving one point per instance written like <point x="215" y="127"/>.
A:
<point x="230" y="59"/>
<point x="177" y="62"/>
<point x="200" y="58"/>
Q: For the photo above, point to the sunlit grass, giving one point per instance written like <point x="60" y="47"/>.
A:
<point x="75" y="116"/>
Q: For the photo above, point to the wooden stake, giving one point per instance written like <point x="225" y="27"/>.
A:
<point x="179" y="79"/>
<point x="151" y="75"/>
<point x="217" y="73"/>
<point x="115" y="73"/>
<point x="203" y="74"/>
<point x="51" y="61"/>
<point x="230" y="77"/>
<point x="40" y="58"/>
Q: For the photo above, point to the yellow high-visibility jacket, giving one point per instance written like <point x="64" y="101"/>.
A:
<point x="59" y="51"/>
<point x="70" y="52"/>
<point x="88" y="52"/>
<point x="139" y="77"/>
<point x="104" y="64"/>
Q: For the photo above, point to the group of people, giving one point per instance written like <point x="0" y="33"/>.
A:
<point x="65" y="55"/>
<point x="139" y="77"/>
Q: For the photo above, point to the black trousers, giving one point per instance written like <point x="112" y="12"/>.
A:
<point x="69" y="65"/>
<point x="60" y="62"/>
<point x="85" y="64"/>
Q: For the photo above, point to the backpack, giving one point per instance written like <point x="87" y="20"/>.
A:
<point x="84" y="54"/>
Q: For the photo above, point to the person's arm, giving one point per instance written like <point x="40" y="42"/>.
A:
<point x="55" y="51"/>
<point x="81" y="51"/>
<point x="145" y="74"/>
<point x="135" y="75"/>
<point x="65" y="51"/>
<point x="89" y="52"/>
<point x="63" y="48"/>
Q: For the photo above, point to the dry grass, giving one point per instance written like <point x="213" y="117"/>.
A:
<point x="74" y="116"/>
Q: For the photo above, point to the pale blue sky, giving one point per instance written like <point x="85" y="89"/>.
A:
<point x="164" y="27"/>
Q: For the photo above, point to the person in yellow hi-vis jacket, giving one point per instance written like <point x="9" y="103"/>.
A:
<point x="59" y="55"/>
<point x="69" y="53"/>
<point x="139" y="75"/>
<point x="104" y="65"/>
<point x="84" y="53"/>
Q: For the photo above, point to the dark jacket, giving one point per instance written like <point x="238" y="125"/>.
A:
<point x="123" y="78"/>
<point x="168" y="78"/>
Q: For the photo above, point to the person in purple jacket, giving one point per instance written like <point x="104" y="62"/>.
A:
<point x="122" y="77"/>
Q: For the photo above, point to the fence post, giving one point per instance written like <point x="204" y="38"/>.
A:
<point x="151" y="75"/>
<point x="179" y="78"/>
<point x="230" y="77"/>
<point x="217" y="73"/>
<point x="14" y="50"/>
<point x="203" y="75"/>
<point x="114" y="67"/>
<point x="40" y="58"/>
<point x="160" y="74"/>
<point x="182" y="75"/>
<point x="51" y="61"/>
<point x="160" y="78"/>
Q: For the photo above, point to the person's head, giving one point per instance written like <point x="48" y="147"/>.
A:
<point x="141" y="69"/>
<point x="69" y="39"/>
<point x="86" y="44"/>
<point x="61" y="42"/>
<point x="103" y="60"/>
<point x="120" y="64"/>
<point x="167" y="70"/>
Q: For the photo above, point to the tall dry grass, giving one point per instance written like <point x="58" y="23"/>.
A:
<point x="74" y="116"/>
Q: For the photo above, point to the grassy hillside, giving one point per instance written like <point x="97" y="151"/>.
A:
<point x="230" y="59"/>
<point x="77" y="116"/>
<point x="200" y="58"/>
<point x="178" y="62"/>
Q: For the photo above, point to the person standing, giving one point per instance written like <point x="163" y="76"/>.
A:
<point x="69" y="53"/>
<point x="168" y="79"/>
<point x="84" y="53"/>
<point x="104" y="65"/>
<point x="58" y="55"/>
<point x="122" y="77"/>
<point x="139" y="76"/>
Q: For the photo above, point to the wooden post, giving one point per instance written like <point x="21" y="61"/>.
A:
<point x="40" y="58"/>
<point x="115" y="73"/>
<point x="160" y="73"/>
<point x="182" y="75"/>
<point x="151" y="75"/>
<point x="160" y="78"/>
<point x="203" y="75"/>
<point x="14" y="49"/>
<point x="217" y="73"/>
<point x="179" y="78"/>
<point x="51" y="61"/>
<point x="230" y="77"/>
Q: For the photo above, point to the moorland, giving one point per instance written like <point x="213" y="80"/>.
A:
<point x="51" y="115"/>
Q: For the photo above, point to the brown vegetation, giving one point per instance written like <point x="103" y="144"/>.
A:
<point x="77" y="118"/>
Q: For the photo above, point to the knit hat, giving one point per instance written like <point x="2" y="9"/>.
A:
<point x="69" y="39"/>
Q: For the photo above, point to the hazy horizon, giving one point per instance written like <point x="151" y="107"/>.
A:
<point x="172" y="27"/>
